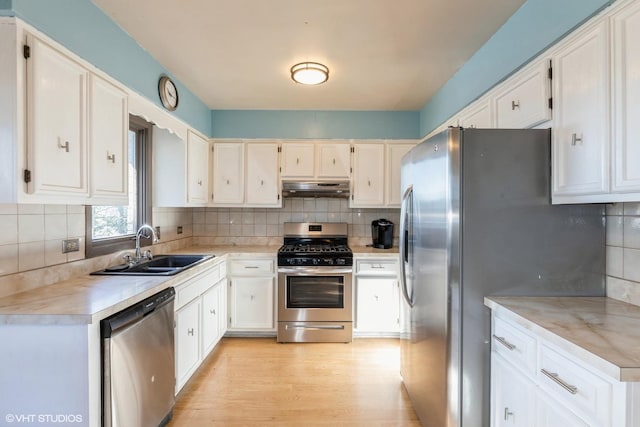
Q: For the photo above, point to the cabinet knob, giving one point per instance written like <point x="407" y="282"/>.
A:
<point x="64" y="146"/>
<point x="575" y="139"/>
<point x="227" y="182"/>
<point x="111" y="157"/>
<point x="515" y="104"/>
<point x="199" y="182"/>
<point x="334" y="161"/>
<point x="190" y="331"/>
<point x="507" y="414"/>
<point x="297" y="161"/>
<point x="369" y="182"/>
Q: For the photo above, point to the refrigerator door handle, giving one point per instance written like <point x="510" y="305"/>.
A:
<point x="405" y="217"/>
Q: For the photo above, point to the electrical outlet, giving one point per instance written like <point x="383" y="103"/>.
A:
<point x="179" y="229"/>
<point x="70" y="245"/>
<point x="158" y="232"/>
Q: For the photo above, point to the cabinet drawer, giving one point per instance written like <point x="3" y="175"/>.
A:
<point x="577" y="387"/>
<point x="515" y="345"/>
<point x="377" y="267"/>
<point x="196" y="286"/>
<point x="251" y="267"/>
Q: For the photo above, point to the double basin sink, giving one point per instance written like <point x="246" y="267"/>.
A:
<point x="160" y="265"/>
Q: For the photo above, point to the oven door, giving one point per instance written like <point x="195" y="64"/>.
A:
<point x="317" y="294"/>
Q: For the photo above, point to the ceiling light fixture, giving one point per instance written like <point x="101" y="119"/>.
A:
<point x="309" y="73"/>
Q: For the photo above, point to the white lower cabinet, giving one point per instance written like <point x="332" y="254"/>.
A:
<point x="536" y="384"/>
<point x="512" y="403"/>
<point x="200" y="301"/>
<point x="377" y="297"/>
<point x="252" y="295"/>
<point x="187" y="343"/>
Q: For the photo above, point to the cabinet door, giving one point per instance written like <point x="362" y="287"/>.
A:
<point x="297" y="160"/>
<point x="512" y="395"/>
<point x="57" y="122"/>
<point x="109" y="125"/>
<point x="368" y="175"/>
<point x="549" y="413"/>
<point x="210" y="319"/>
<point x="524" y="101"/>
<point x="580" y="154"/>
<point x="251" y="302"/>
<point x="626" y="100"/>
<point x="262" y="175"/>
<point x="197" y="169"/>
<point x="187" y="336"/>
<point x="477" y="116"/>
<point x="395" y="152"/>
<point x="334" y="160"/>
<point x="377" y="304"/>
<point x="228" y="173"/>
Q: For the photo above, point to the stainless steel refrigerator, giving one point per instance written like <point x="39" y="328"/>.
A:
<point x="476" y="220"/>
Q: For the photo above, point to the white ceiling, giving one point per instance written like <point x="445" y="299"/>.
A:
<point x="382" y="54"/>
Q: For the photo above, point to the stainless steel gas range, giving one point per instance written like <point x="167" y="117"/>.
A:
<point x="314" y="283"/>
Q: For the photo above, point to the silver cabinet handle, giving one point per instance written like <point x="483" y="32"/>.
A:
<point x="64" y="146"/>
<point x="190" y="331"/>
<point x="377" y="266"/>
<point x="111" y="157"/>
<point x="575" y="139"/>
<point x="556" y="378"/>
<point x="212" y="311"/>
<point x="262" y="182"/>
<point x="507" y="414"/>
<point x="297" y="161"/>
<point x="515" y="104"/>
<point x="504" y="342"/>
<point x="251" y="266"/>
<point x="199" y="182"/>
<point x="334" y="161"/>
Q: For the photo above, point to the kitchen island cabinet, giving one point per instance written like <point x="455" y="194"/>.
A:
<point x="567" y="361"/>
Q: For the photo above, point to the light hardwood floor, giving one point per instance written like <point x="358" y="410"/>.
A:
<point x="256" y="382"/>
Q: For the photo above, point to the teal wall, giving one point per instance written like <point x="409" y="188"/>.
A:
<point x="85" y="30"/>
<point x="315" y="124"/>
<point x="534" y="27"/>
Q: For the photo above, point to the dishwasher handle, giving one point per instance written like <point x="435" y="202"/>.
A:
<point x="136" y="312"/>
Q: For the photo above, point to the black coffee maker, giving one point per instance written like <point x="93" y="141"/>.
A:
<point x="382" y="233"/>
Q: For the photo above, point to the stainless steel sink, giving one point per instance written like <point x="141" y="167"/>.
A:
<point x="160" y="265"/>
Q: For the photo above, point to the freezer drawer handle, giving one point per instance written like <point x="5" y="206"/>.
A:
<point x="556" y="378"/>
<point x="504" y="342"/>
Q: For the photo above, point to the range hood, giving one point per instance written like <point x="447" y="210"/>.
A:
<point x="315" y="189"/>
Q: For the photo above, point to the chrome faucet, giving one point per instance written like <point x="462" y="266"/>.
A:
<point x="138" y="255"/>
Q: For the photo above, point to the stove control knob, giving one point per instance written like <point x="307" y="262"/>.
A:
<point x="340" y="261"/>
<point x="330" y="261"/>
<point x="316" y="261"/>
<point x="299" y="261"/>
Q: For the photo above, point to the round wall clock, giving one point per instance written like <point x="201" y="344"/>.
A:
<point x="168" y="93"/>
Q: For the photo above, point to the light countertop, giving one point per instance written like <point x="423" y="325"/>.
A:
<point x="87" y="299"/>
<point x="600" y="331"/>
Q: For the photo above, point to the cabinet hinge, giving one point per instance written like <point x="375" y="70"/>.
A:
<point x="27" y="176"/>
<point x="550" y="73"/>
<point x="352" y="197"/>
<point x="353" y="149"/>
<point x="278" y="197"/>
<point x="551" y="103"/>
<point x="280" y="168"/>
<point x="279" y="149"/>
<point x="26" y="51"/>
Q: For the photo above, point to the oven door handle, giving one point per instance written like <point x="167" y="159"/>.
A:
<point x="305" y="271"/>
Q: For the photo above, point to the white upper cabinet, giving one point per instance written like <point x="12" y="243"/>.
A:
<point x="197" y="169"/>
<point x="626" y="100"/>
<point x="57" y="122"/>
<point x="333" y="160"/>
<point x="263" y="187"/>
<point x="523" y="102"/>
<point x="228" y="173"/>
<point x="395" y="152"/>
<point x="580" y="154"/>
<point x="368" y="176"/>
<point x="297" y="160"/>
<point x="478" y="115"/>
<point x="109" y="123"/>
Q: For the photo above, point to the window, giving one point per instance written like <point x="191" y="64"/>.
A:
<point x="113" y="228"/>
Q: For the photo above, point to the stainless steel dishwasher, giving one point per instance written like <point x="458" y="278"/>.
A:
<point x="138" y="369"/>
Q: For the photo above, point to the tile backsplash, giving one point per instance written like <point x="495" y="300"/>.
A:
<point x="253" y="226"/>
<point x="31" y="235"/>
<point x="623" y="252"/>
